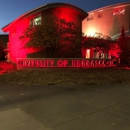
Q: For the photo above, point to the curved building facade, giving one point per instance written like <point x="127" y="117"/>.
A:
<point x="61" y="10"/>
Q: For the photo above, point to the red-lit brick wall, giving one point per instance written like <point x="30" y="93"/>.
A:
<point x="15" y="44"/>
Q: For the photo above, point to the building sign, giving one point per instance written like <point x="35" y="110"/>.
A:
<point x="63" y="63"/>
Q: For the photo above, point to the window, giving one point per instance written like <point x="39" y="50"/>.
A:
<point x="100" y="14"/>
<point x="87" y="53"/>
<point x="36" y="21"/>
<point x="90" y="17"/>
<point x="118" y="11"/>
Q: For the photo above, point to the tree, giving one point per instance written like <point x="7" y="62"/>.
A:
<point x="122" y="42"/>
<point x="53" y="34"/>
<point x="101" y="42"/>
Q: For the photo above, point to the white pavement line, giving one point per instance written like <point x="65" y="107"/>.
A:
<point x="17" y="119"/>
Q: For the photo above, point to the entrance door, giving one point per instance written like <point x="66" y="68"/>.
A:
<point x="87" y="53"/>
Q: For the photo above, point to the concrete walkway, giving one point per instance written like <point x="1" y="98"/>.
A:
<point x="85" y="107"/>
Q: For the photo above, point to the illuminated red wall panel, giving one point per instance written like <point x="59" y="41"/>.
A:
<point x="16" y="49"/>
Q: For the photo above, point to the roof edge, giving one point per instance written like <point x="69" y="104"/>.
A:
<point x="110" y="6"/>
<point x="44" y="7"/>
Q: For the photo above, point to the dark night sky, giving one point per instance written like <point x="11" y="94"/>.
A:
<point x="12" y="9"/>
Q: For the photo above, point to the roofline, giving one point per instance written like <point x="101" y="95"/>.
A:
<point x="110" y="6"/>
<point x="5" y="34"/>
<point x="44" y="7"/>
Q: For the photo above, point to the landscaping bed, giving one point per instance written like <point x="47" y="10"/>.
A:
<point x="60" y="76"/>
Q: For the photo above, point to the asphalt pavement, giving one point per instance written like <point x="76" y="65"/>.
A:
<point x="86" y="107"/>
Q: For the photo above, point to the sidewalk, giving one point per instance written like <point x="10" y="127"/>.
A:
<point x="86" y="107"/>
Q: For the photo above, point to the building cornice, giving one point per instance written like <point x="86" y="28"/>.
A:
<point x="111" y="6"/>
<point x="45" y="7"/>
